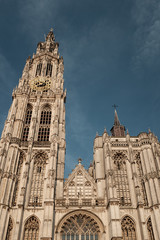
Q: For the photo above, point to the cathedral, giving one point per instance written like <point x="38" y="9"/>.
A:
<point x="117" y="198"/>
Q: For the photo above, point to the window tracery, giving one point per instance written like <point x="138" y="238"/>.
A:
<point x="31" y="229"/>
<point x="49" y="70"/>
<point x="121" y="179"/>
<point x="128" y="229"/>
<point x="36" y="193"/>
<point x="27" y="123"/>
<point x="45" y="121"/>
<point x="150" y="230"/>
<point x="39" y="69"/>
<point x="80" y="227"/>
<point x="9" y="230"/>
<point x="80" y="186"/>
<point x="18" y="175"/>
<point x="140" y="174"/>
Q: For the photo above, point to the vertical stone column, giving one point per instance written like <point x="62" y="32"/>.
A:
<point x="7" y="131"/>
<point x="99" y="166"/>
<point x="113" y="215"/>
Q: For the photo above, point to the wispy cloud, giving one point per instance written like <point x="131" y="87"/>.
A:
<point x="146" y="15"/>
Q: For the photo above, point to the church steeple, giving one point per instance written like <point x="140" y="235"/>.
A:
<point x="116" y="120"/>
<point x="117" y="130"/>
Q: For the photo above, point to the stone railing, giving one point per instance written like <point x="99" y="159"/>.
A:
<point x="119" y="144"/>
<point x="80" y="202"/>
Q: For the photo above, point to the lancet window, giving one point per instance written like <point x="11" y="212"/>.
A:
<point x="150" y="230"/>
<point x="80" y="227"/>
<point x="9" y="230"/>
<point x="49" y="70"/>
<point x="121" y="179"/>
<point x="27" y="123"/>
<point x="36" y="193"/>
<point x="128" y="229"/>
<point x="140" y="175"/>
<point x="39" y="69"/>
<point x="45" y="121"/>
<point x="18" y="175"/>
<point x="31" y="229"/>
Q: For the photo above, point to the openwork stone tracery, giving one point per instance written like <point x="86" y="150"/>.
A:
<point x="36" y="194"/>
<point x="150" y="230"/>
<point x="80" y="227"/>
<point x="27" y="123"/>
<point x="128" y="229"/>
<point x="121" y="178"/>
<point x="9" y="230"/>
<point x="31" y="229"/>
<point x="140" y="175"/>
<point x="18" y="175"/>
<point x="79" y="186"/>
<point x="45" y="121"/>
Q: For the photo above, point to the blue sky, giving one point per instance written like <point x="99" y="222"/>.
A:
<point x="111" y="52"/>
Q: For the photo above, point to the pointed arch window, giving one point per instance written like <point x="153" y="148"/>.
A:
<point x="36" y="193"/>
<point x="18" y="175"/>
<point x="80" y="227"/>
<point x="27" y="123"/>
<point x="45" y="121"/>
<point x="31" y="229"/>
<point x="140" y="175"/>
<point x="128" y="229"/>
<point x="39" y="69"/>
<point x="49" y="70"/>
<point x="150" y="230"/>
<point x="9" y="230"/>
<point x="121" y="179"/>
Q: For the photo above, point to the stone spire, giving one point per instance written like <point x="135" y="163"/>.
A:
<point x="116" y="120"/>
<point x="117" y="130"/>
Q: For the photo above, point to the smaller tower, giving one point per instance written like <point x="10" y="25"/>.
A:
<point x="117" y="130"/>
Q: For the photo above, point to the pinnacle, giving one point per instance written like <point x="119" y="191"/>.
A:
<point x="50" y="36"/>
<point x="79" y="160"/>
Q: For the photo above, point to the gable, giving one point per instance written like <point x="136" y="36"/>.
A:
<point x="79" y="184"/>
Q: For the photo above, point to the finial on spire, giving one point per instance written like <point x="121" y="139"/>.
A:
<point x="79" y="160"/>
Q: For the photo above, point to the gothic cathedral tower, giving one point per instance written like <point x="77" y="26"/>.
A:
<point x="32" y="149"/>
<point x="117" y="198"/>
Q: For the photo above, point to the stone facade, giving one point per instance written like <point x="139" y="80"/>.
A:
<point x="118" y="197"/>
